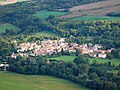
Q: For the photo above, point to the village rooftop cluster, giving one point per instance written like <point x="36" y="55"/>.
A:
<point x="50" y="47"/>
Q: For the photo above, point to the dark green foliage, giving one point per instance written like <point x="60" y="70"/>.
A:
<point x="96" y="76"/>
<point x="6" y="48"/>
<point x="63" y="4"/>
<point x="117" y="14"/>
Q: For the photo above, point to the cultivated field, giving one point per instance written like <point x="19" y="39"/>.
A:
<point x="5" y="26"/>
<point x="12" y="81"/>
<point x="45" y="34"/>
<point x="3" y="2"/>
<point x="8" y="2"/>
<point x="97" y="8"/>
<point x="44" y="14"/>
<point x="96" y="5"/>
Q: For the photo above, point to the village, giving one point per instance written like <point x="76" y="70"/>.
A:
<point x="50" y="47"/>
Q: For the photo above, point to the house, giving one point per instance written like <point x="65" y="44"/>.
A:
<point x="13" y="55"/>
<point x="110" y="50"/>
<point x="102" y="55"/>
<point x="93" y="55"/>
<point x="1" y="65"/>
<point x="85" y="51"/>
<point x="100" y="51"/>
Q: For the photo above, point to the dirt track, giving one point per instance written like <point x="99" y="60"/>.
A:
<point x="98" y="8"/>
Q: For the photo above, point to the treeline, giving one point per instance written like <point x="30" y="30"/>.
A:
<point x="6" y="48"/>
<point x="63" y="4"/>
<point x="117" y="14"/>
<point x="95" y="76"/>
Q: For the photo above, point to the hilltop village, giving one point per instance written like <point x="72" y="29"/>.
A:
<point x="50" y="47"/>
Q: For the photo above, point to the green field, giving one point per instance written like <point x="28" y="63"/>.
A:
<point x="44" y="14"/>
<point x="114" y="61"/>
<point x="12" y="81"/>
<point x="21" y="0"/>
<point x="71" y="58"/>
<point x="5" y="26"/>
<point x="96" y="18"/>
<point x="64" y="58"/>
<point x="45" y="34"/>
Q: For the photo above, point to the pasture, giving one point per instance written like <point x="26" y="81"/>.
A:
<point x="45" y="34"/>
<point x="44" y="14"/>
<point x="99" y="60"/>
<point x="96" y="18"/>
<point x="113" y="61"/>
<point x="21" y="0"/>
<point x="13" y="81"/>
<point x="5" y="26"/>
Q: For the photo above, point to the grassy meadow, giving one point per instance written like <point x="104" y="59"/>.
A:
<point x="5" y="26"/>
<point x="45" y="34"/>
<point x="96" y="18"/>
<point x="44" y="13"/>
<point x="21" y="0"/>
<point x="99" y="60"/>
<point x="13" y="81"/>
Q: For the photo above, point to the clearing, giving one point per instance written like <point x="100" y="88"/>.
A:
<point x="45" y="34"/>
<point x="101" y="8"/>
<point x="13" y="81"/>
<point x="5" y="26"/>
<point x="44" y="13"/>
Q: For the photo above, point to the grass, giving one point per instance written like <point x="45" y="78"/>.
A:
<point x="99" y="60"/>
<point x="5" y="26"/>
<point x="64" y="58"/>
<point x="96" y="18"/>
<point x="21" y="0"/>
<point x="44" y="13"/>
<point x="45" y="34"/>
<point x="13" y="81"/>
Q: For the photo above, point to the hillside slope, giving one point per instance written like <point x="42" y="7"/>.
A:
<point x="97" y="8"/>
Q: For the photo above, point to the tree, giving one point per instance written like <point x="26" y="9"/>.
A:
<point x="78" y="52"/>
<point x="110" y="86"/>
<point x="81" y="59"/>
